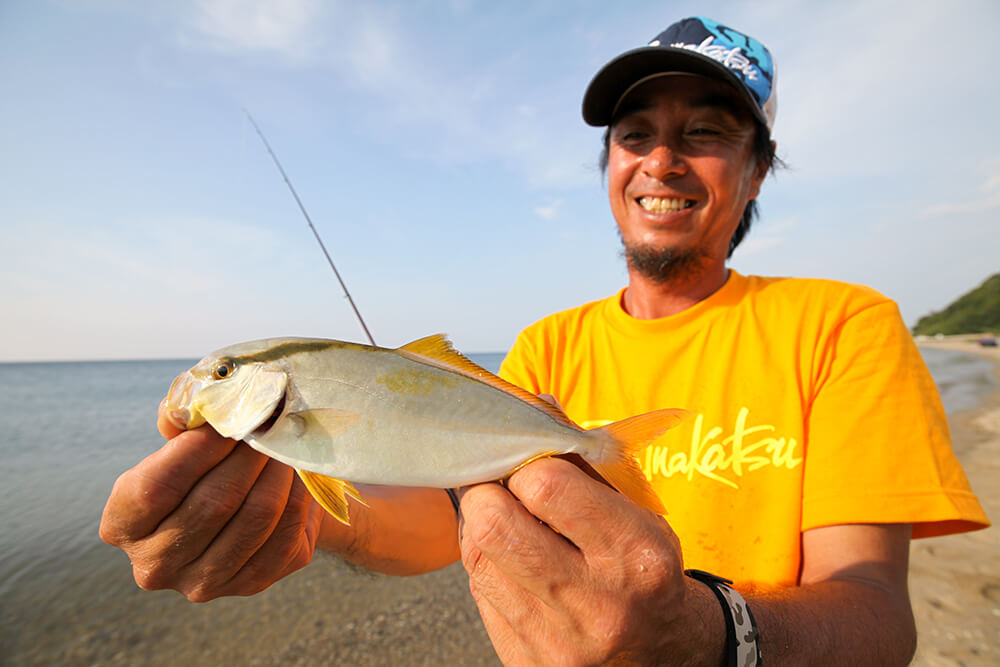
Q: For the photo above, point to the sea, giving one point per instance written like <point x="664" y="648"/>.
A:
<point x="67" y="430"/>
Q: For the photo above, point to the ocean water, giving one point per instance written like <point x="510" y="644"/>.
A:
<point x="962" y="378"/>
<point x="67" y="430"/>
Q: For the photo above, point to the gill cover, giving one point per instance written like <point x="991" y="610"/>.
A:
<point x="239" y="403"/>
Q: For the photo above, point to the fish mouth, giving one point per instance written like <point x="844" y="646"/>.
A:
<point x="178" y="404"/>
<point x="269" y="423"/>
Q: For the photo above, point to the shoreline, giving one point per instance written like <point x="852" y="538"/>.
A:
<point x="955" y="580"/>
<point x="964" y="343"/>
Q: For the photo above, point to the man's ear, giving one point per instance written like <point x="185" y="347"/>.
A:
<point x="762" y="167"/>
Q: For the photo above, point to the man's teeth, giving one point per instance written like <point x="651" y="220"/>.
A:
<point x="665" y="205"/>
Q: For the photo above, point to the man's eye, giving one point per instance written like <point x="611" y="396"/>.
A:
<point x="704" y="131"/>
<point x="634" y="135"/>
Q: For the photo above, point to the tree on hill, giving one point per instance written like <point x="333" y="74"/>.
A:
<point x="977" y="311"/>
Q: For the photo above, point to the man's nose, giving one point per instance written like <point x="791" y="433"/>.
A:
<point x="663" y="161"/>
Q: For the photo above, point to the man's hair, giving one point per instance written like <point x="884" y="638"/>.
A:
<point x="763" y="154"/>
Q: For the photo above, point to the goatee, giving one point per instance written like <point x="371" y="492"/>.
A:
<point x="664" y="265"/>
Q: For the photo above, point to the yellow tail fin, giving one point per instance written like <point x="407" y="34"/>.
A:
<point x="331" y="493"/>
<point x="628" y="437"/>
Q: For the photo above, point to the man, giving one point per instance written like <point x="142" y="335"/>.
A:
<point x="817" y="448"/>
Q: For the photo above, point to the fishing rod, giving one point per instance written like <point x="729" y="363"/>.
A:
<point x="305" y="213"/>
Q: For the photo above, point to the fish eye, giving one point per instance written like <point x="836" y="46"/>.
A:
<point x="223" y="370"/>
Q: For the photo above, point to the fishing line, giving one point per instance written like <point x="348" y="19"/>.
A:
<point x="302" y="208"/>
<point x="451" y="492"/>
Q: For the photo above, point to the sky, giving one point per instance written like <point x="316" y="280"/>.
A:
<point x="439" y="149"/>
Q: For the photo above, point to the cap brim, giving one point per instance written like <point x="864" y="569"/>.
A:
<point x="609" y="84"/>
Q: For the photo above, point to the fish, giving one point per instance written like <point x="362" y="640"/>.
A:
<point x="422" y="415"/>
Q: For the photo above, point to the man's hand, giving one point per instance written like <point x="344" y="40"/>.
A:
<point x="605" y="583"/>
<point x="209" y="517"/>
<point x="575" y="573"/>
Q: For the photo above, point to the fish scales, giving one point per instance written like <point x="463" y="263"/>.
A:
<point x="420" y="425"/>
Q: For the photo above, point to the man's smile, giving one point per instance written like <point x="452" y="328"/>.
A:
<point x="665" y="204"/>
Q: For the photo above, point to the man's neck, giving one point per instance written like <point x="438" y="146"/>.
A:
<point x="646" y="299"/>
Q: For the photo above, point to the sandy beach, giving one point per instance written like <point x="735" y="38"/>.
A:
<point x="955" y="580"/>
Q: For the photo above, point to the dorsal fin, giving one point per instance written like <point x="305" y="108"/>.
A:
<point x="438" y="351"/>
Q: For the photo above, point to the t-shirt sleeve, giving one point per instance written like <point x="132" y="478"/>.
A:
<point x="877" y="442"/>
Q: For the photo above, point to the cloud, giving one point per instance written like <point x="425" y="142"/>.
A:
<point x="753" y="245"/>
<point x="992" y="183"/>
<point x="166" y="255"/>
<point x="990" y="199"/>
<point x="979" y="206"/>
<point x="374" y="59"/>
<point x="549" y="211"/>
<point x="477" y="114"/>
<point x="148" y="286"/>
<point x="491" y="109"/>
<point x="280" y="28"/>
<point x="782" y="225"/>
<point x="766" y="235"/>
<point x="860" y="88"/>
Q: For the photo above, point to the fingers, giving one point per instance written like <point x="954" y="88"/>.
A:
<point x="167" y="428"/>
<point x="143" y="496"/>
<point x="607" y="582"/>
<point x="247" y="531"/>
<point x="185" y="534"/>
<point x="208" y="516"/>
<point x="289" y="547"/>
<point x="504" y="544"/>
<point x="590" y="514"/>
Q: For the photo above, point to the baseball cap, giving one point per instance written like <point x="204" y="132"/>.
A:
<point x="695" y="45"/>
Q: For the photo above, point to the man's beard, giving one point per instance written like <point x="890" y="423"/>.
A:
<point x="664" y="265"/>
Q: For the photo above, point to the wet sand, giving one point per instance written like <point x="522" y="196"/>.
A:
<point x="955" y="580"/>
<point x="328" y="613"/>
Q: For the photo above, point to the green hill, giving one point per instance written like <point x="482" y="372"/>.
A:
<point x="977" y="311"/>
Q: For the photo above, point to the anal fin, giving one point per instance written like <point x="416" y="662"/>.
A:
<point x="543" y="455"/>
<point x="331" y="493"/>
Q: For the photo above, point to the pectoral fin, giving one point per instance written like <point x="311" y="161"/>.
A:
<point x="330" y="421"/>
<point x="301" y="439"/>
<point x="331" y="493"/>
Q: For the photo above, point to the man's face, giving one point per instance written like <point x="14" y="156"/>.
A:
<point x="680" y="167"/>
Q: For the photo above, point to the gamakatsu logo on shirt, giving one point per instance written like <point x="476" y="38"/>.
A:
<point x="721" y="459"/>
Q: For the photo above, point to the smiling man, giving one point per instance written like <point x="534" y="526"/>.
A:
<point x="817" y="446"/>
<point x="816" y="449"/>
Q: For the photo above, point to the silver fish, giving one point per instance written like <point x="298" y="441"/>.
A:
<point x="419" y="415"/>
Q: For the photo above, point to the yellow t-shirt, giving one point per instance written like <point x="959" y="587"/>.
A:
<point x="812" y="407"/>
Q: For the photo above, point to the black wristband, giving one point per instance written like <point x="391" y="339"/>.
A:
<point x="742" y="638"/>
<point x="454" y="500"/>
